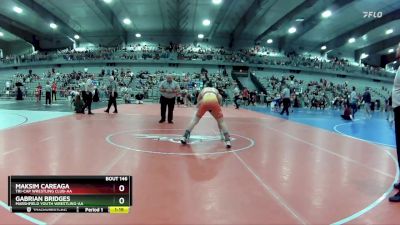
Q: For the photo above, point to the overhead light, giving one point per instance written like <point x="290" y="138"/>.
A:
<point x="201" y="36"/>
<point x="389" y="31"/>
<point x="1" y="34"/>
<point x="299" y="20"/>
<point x="323" y="47"/>
<point x="292" y="30"/>
<point x="206" y="22"/>
<point x="107" y="1"/>
<point x="127" y="21"/>
<point x="138" y="35"/>
<point x="76" y="36"/>
<point x="269" y="41"/>
<point x="17" y="9"/>
<point x="391" y="50"/>
<point x="364" y="37"/>
<point x="363" y="56"/>
<point x="326" y="14"/>
<point x="216" y="2"/>
<point x="53" y="26"/>
<point x="352" y="40"/>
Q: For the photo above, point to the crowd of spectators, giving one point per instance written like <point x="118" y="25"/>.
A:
<point x="255" y="55"/>
<point x="312" y="94"/>
<point x="136" y="86"/>
<point x="318" y="94"/>
<point x="130" y="84"/>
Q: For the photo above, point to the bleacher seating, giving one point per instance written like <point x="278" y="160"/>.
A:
<point x="147" y="77"/>
<point x="255" y="55"/>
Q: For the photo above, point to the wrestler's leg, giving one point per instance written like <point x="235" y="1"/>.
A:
<point x="224" y="132"/>
<point x="189" y="129"/>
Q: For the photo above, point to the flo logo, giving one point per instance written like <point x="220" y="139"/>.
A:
<point x="373" y="14"/>
<point x="175" y="138"/>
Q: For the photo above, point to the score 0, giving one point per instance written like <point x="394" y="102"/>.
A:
<point x="122" y="189"/>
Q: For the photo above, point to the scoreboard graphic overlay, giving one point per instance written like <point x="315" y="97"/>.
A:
<point x="75" y="194"/>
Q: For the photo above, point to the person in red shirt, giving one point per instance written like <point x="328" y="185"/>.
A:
<point x="54" y="91"/>
<point x="38" y="93"/>
<point x="246" y="96"/>
<point x="347" y="114"/>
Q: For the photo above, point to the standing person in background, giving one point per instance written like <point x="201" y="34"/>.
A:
<point x="236" y="93"/>
<point x="54" y="91"/>
<point x="113" y="95"/>
<point x="19" y="94"/>
<point x="367" y="102"/>
<point x="88" y="96"/>
<point x="285" y="100"/>
<point x="38" y="93"/>
<point x="377" y="104"/>
<point x="78" y="104"/>
<point x="96" y="97"/>
<point x="252" y="97"/>
<point x="47" y="88"/>
<point x="246" y="96"/>
<point x="262" y="98"/>
<point x="389" y="110"/>
<point x="168" y="90"/>
<point x="396" y="109"/>
<point x="353" y="101"/>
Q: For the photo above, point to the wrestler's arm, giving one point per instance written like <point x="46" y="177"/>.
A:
<point x="219" y="99"/>
<point x="199" y="98"/>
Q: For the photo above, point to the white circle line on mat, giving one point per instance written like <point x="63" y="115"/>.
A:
<point x="108" y="139"/>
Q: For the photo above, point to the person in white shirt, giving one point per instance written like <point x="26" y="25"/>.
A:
<point x="285" y="100"/>
<point x="88" y="96"/>
<point x="168" y="90"/>
<point x="354" y="101"/>
<point x="47" y="88"/>
<point x="396" y="109"/>
<point x="262" y="98"/>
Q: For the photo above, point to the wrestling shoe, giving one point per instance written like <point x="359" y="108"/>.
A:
<point x="185" y="138"/>
<point x="228" y="144"/>
<point x="395" y="198"/>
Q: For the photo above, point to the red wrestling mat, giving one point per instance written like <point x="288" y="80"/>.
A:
<point x="278" y="172"/>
